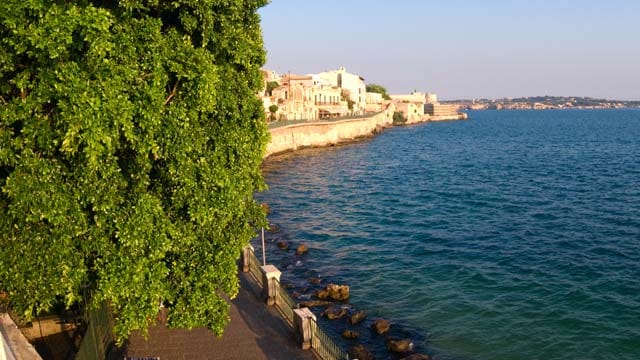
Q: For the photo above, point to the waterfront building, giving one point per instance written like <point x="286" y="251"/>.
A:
<point x="304" y="97"/>
<point x="352" y="86"/>
<point x="441" y="110"/>
<point x="374" y="102"/>
<point x="410" y="105"/>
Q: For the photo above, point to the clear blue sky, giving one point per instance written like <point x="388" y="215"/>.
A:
<point x="464" y="49"/>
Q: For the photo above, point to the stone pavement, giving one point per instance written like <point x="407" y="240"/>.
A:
<point x="256" y="331"/>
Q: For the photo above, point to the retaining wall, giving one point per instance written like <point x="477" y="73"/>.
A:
<point x="316" y="134"/>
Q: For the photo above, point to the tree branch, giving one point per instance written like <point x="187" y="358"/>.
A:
<point x="173" y="92"/>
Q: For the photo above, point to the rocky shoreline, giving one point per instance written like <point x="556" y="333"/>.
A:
<point x="363" y="335"/>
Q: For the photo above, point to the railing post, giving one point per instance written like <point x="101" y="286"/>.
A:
<point x="302" y="321"/>
<point x="270" y="277"/>
<point x="246" y="258"/>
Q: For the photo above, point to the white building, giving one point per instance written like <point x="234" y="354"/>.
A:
<point x="352" y="86"/>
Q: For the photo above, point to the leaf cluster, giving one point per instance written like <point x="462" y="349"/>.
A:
<point x="375" y="88"/>
<point x="130" y="148"/>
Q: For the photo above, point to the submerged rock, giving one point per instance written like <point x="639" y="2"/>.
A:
<point x="315" y="280"/>
<point x="334" y="292"/>
<point x="315" y="303"/>
<point x="360" y="352"/>
<point x="350" y="334"/>
<point x="399" y="346"/>
<point x="334" y="312"/>
<point x="273" y="228"/>
<point x="282" y="245"/>
<point x="302" y="249"/>
<point x="417" y="357"/>
<point x="381" y="326"/>
<point x="357" y="318"/>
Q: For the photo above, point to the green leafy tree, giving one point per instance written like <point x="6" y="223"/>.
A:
<point x="273" y="109"/>
<point x="399" y="118"/>
<point x="270" y="86"/>
<point x="130" y="146"/>
<point x="375" y="88"/>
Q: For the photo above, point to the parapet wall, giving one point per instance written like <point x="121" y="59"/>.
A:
<point x="13" y="345"/>
<point x="316" y="134"/>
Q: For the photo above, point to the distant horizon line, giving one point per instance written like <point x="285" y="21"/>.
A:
<point x="539" y="96"/>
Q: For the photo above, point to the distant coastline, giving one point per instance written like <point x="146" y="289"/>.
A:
<point x="305" y="134"/>
<point x="543" y="103"/>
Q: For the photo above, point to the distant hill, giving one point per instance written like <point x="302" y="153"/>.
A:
<point x="543" y="102"/>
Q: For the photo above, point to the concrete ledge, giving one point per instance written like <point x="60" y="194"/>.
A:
<point x="13" y="345"/>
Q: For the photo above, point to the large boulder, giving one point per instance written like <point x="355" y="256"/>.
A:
<point x="335" y="312"/>
<point x="399" y="346"/>
<point x="381" y="326"/>
<point x="334" y="292"/>
<point x="357" y="318"/>
<point x="360" y="352"/>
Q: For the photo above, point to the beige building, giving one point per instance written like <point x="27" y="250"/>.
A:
<point x="413" y="112"/>
<point x="374" y="102"/>
<point x="304" y="97"/>
<point x="410" y="105"/>
<point x="441" y="110"/>
<point x="431" y="98"/>
<point x="416" y="97"/>
<point x="352" y="86"/>
<point x="292" y="103"/>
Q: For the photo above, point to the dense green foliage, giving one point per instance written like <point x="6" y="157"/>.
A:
<point x="375" y="88"/>
<point x="130" y="145"/>
<point x="273" y="109"/>
<point x="399" y="118"/>
<point x="270" y="86"/>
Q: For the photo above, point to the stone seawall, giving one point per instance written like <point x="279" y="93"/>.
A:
<point x="317" y="134"/>
<point x="458" y="116"/>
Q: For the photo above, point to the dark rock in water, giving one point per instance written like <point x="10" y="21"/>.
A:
<point x="266" y="208"/>
<point x="334" y="312"/>
<point x="399" y="346"/>
<point x="357" y="318"/>
<point x="315" y="281"/>
<point x="334" y="292"/>
<point x="417" y="357"/>
<point x="350" y="334"/>
<point x="282" y="245"/>
<point x="361" y="353"/>
<point x="302" y="249"/>
<point x="273" y="228"/>
<point x="315" y="303"/>
<point x="381" y="326"/>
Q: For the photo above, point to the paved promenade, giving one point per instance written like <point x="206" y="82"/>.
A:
<point x="256" y="331"/>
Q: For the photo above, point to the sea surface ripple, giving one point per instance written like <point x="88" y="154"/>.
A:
<point x="513" y="235"/>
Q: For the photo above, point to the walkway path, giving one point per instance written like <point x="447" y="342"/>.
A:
<point x="256" y="331"/>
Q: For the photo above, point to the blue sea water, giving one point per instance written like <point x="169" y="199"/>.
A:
<point x="513" y="235"/>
